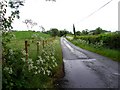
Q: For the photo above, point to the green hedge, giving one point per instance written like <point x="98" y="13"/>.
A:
<point x="111" y="40"/>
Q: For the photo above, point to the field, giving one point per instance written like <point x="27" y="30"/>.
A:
<point x="18" y="42"/>
<point x="38" y="68"/>
<point x="105" y="44"/>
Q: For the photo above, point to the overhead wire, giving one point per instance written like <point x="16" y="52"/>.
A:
<point x="96" y="10"/>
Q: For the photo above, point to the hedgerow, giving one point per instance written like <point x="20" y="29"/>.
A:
<point x="111" y="40"/>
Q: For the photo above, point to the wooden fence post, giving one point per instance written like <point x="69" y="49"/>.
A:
<point x="26" y="49"/>
<point x="46" y="42"/>
<point x="37" y="48"/>
<point x="43" y="43"/>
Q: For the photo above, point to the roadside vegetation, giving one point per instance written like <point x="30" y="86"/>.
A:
<point x="43" y="65"/>
<point x="29" y="59"/>
<point x="34" y="59"/>
<point x="98" y="41"/>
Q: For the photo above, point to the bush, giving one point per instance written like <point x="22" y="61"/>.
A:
<point x="110" y="40"/>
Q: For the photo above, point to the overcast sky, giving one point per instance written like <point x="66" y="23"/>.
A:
<point x="62" y="14"/>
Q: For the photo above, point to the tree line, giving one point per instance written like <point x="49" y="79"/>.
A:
<point x="56" y="32"/>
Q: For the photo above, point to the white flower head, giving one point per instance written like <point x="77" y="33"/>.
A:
<point x="44" y="72"/>
<point x="10" y="71"/>
<point x="23" y="59"/>
<point x="48" y="72"/>
<point x="38" y="61"/>
<point x="39" y="57"/>
<point x="55" y="64"/>
<point x="6" y="68"/>
<point x="35" y="72"/>
<point x="42" y="69"/>
<point x="30" y="67"/>
<point x="38" y="71"/>
<point x="11" y="51"/>
<point x="35" y="67"/>
<point x="30" y="60"/>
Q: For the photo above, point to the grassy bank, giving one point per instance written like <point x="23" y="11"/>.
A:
<point x="110" y="53"/>
<point x="44" y="66"/>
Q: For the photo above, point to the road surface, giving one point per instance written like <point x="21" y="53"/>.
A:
<point x="85" y="69"/>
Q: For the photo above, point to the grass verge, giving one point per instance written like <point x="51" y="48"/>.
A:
<point x="110" y="53"/>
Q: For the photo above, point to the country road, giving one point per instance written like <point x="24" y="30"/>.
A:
<point x="85" y="69"/>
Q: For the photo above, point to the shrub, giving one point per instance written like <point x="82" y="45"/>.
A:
<point x="110" y="40"/>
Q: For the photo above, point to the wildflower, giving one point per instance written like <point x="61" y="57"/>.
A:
<point x="38" y="71"/>
<point x="23" y="52"/>
<point x="30" y="67"/>
<point x="42" y="61"/>
<point x="48" y="72"/>
<point x="52" y="57"/>
<point x="42" y="69"/>
<point x="6" y="68"/>
<point x="44" y="72"/>
<point x="23" y="59"/>
<point x="53" y="60"/>
<point x="10" y="71"/>
<point x="11" y="51"/>
<point x="39" y="57"/>
<point x="47" y="57"/>
<point x="35" y="72"/>
<point x="30" y="60"/>
<point x="50" y="67"/>
<point x="36" y="67"/>
<point x="38" y="61"/>
<point x="11" y="84"/>
<point x="55" y="64"/>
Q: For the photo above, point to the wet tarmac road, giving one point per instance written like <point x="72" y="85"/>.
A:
<point x="84" y="69"/>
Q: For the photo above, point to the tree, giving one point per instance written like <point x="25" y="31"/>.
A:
<point x="74" y="31"/>
<point x="33" y="24"/>
<point x="85" y="32"/>
<point x="5" y="22"/>
<point x="43" y="29"/>
<point x="78" y="33"/>
<point x="63" y="33"/>
<point x="54" y="32"/>
<point x="29" y="22"/>
<point x="98" y="31"/>
<point x="5" y="27"/>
